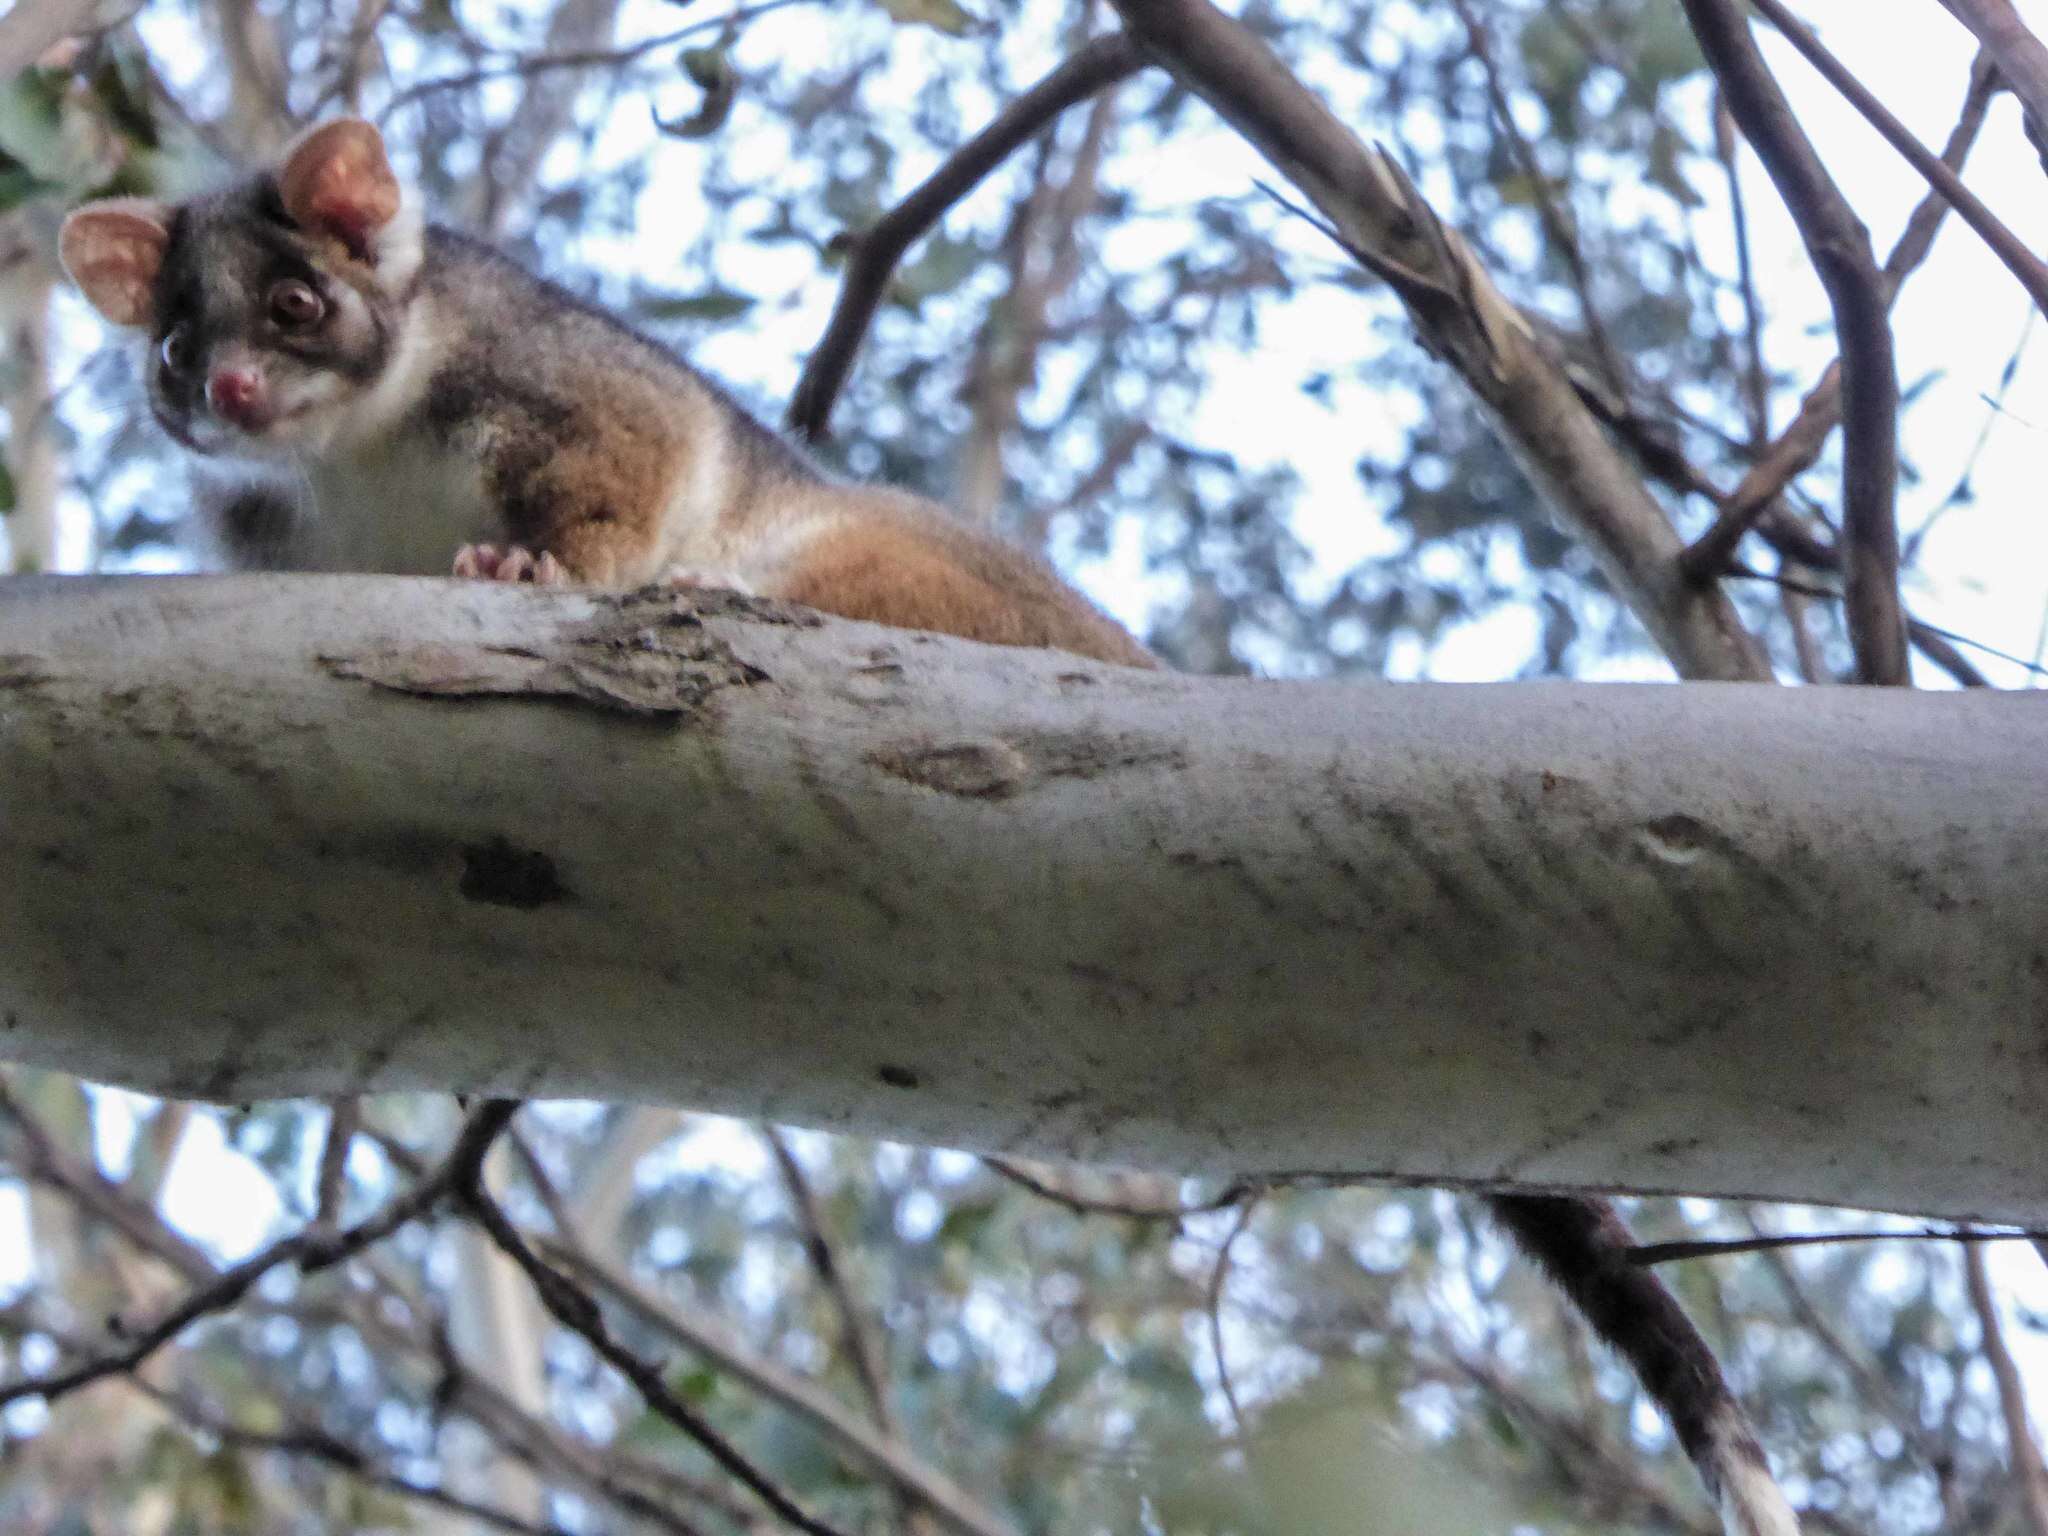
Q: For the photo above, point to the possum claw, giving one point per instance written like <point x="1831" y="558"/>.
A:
<point x="515" y="562"/>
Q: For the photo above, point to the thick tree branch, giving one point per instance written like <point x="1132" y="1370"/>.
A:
<point x="1839" y="247"/>
<point x="874" y="252"/>
<point x="1052" y="908"/>
<point x="1460" y="316"/>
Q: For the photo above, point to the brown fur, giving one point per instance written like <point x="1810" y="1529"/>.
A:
<point x="927" y="572"/>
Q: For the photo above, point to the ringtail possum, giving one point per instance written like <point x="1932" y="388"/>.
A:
<point x="390" y="396"/>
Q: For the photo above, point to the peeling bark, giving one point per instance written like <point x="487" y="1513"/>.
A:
<point x="305" y="835"/>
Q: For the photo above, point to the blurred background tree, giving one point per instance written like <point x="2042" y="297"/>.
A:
<point x="1124" y="349"/>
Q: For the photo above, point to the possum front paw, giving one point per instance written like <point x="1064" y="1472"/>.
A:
<point x="706" y="576"/>
<point x="487" y="562"/>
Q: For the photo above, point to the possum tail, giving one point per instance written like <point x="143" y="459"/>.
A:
<point x="1583" y="1246"/>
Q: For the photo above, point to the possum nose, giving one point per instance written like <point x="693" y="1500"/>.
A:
<point x="237" y="394"/>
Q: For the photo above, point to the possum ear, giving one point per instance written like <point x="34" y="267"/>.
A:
<point x="337" y="181"/>
<point x="113" y="250"/>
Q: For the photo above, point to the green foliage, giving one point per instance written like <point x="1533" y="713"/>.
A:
<point x="941" y="15"/>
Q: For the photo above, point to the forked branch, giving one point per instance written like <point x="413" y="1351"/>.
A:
<point x="1462" y="317"/>
<point x="1839" y="247"/>
<point x="2031" y="271"/>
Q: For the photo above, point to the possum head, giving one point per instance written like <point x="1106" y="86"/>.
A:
<point x="277" y="308"/>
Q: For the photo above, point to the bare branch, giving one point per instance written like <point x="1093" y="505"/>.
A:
<point x="1449" y="785"/>
<point x="860" y="1346"/>
<point x="42" y="1160"/>
<point x="1219" y="1276"/>
<point x="1555" y="221"/>
<point x="2023" y="1452"/>
<point x="1043" y="259"/>
<point x="1091" y="1205"/>
<point x="2031" y="271"/>
<point x="1839" y="247"/>
<point x="535" y="64"/>
<point x="309" y="1247"/>
<point x="308" y="1442"/>
<point x="1937" y="648"/>
<point x="1876" y="1389"/>
<point x="577" y="1310"/>
<point x="857" y="1336"/>
<point x="1463" y="318"/>
<point x="2022" y="58"/>
<point x="1648" y="1255"/>
<point x="1799" y="445"/>
<point x="876" y="250"/>
<point x="952" y="1505"/>
<point x="344" y="1115"/>
<point x="1755" y="378"/>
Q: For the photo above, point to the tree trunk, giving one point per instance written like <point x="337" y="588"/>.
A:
<point x="305" y="835"/>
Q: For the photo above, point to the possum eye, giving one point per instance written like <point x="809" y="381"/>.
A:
<point x="176" y="350"/>
<point x="294" y="305"/>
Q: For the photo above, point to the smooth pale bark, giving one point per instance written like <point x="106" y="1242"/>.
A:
<point x="311" y="835"/>
<point x="498" y="1329"/>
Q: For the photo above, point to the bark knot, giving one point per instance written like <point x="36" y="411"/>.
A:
<point x="997" y="767"/>
<point x="504" y="875"/>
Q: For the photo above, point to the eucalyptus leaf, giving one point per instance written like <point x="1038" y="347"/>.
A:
<point x="941" y="15"/>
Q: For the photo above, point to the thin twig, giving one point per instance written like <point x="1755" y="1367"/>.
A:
<point x="42" y="1160"/>
<point x="1968" y="473"/>
<point x="860" y="1347"/>
<point x="1648" y="1255"/>
<point x="1936" y="643"/>
<point x="309" y="1246"/>
<point x="1094" y="1205"/>
<point x="858" y="1338"/>
<point x="875" y="251"/>
<point x="1938" y="647"/>
<point x="1213" y="1305"/>
<point x="579" y="58"/>
<point x="2023" y="1452"/>
<point x="1799" y="445"/>
<point x="850" y="1432"/>
<point x="308" y="1442"/>
<point x="1796" y="605"/>
<point x="577" y="1310"/>
<point x="611" y="1473"/>
<point x="1839" y="248"/>
<point x="1876" y="1389"/>
<point x="1555" y="222"/>
<point x="543" y="1183"/>
<point x="1756" y="379"/>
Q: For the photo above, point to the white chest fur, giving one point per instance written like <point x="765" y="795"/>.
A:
<point x="400" y="508"/>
